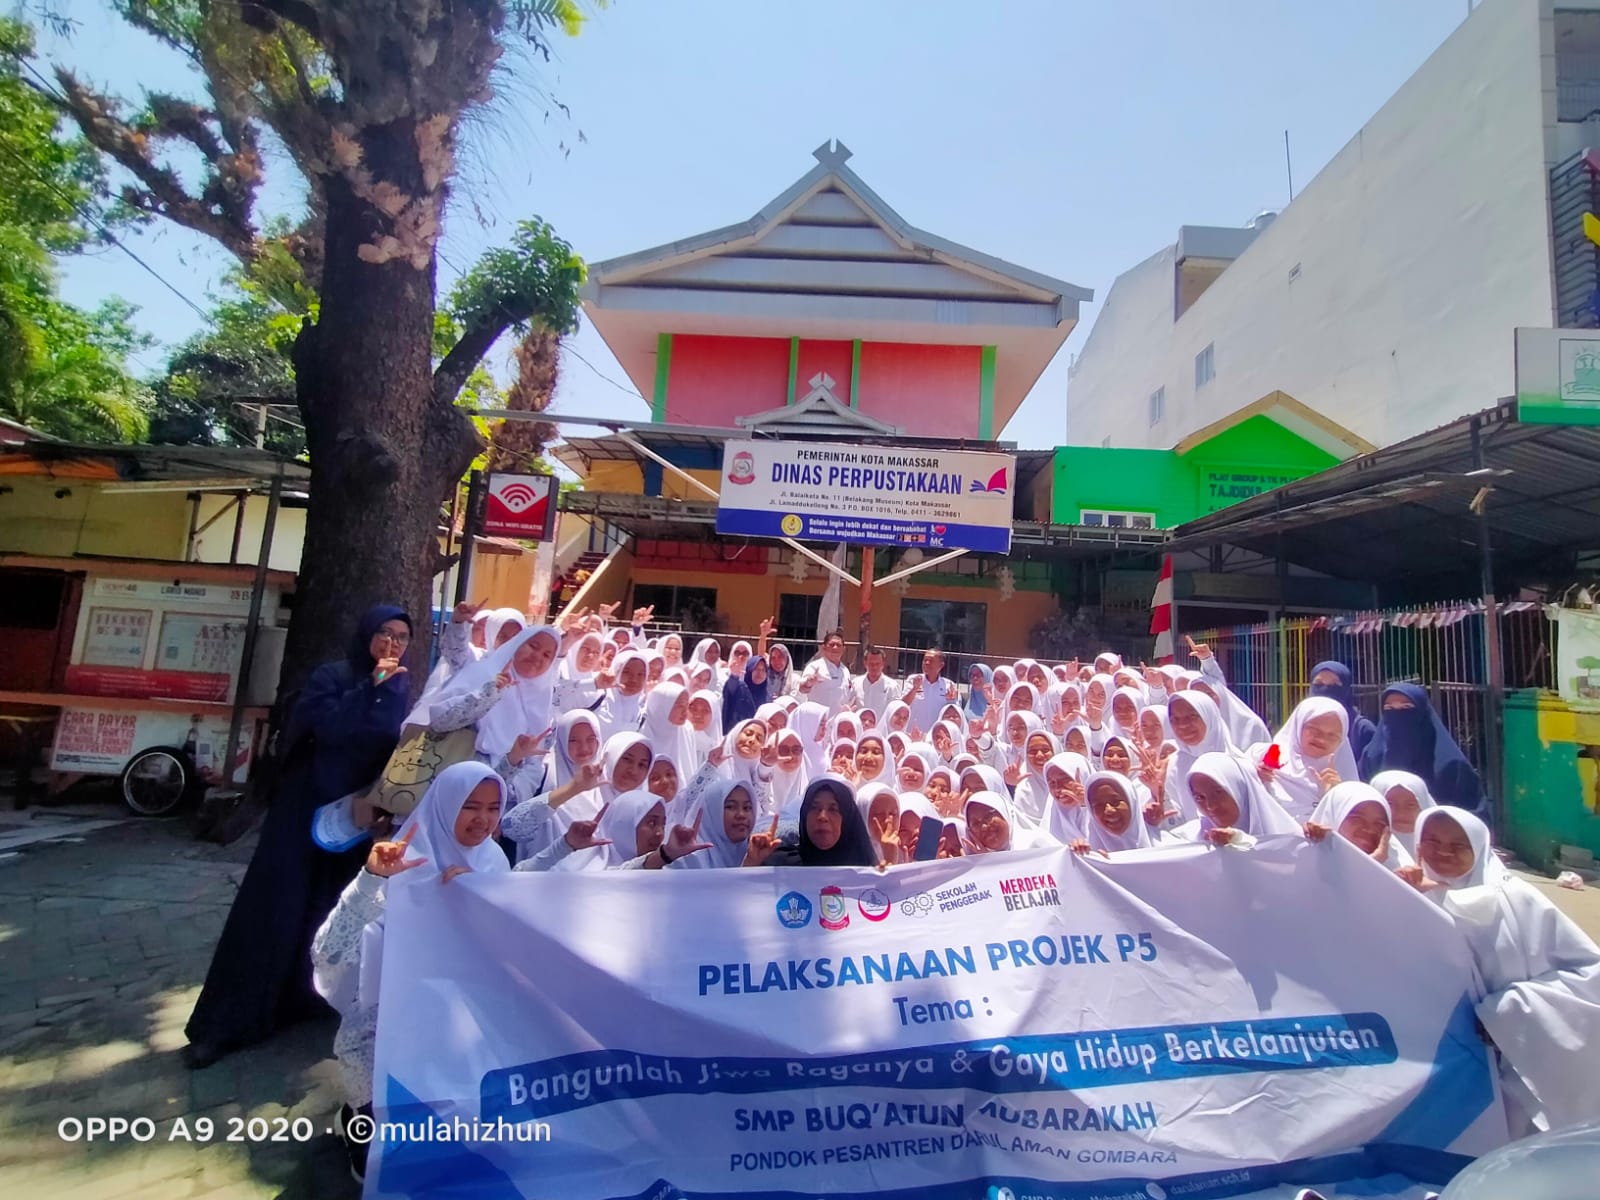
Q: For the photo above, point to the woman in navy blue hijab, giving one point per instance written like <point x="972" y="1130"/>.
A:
<point x="742" y="697"/>
<point x="1332" y="679"/>
<point x="340" y="733"/>
<point x="1411" y="737"/>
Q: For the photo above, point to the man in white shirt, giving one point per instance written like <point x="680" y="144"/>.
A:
<point x="826" y="680"/>
<point x="875" y="690"/>
<point x="929" y="692"/>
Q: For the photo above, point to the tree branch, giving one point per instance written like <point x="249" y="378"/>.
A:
<point x="222" y="214"/>
<point x="451" y="374"/>
<point x="258" y="14"/>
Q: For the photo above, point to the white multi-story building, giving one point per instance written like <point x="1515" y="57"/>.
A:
<point x="1385" y="295"/>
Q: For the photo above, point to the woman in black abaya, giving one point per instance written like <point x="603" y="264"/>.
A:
<point x="339" y="735"/>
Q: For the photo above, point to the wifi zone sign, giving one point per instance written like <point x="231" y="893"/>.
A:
<point x="518" y="506"/>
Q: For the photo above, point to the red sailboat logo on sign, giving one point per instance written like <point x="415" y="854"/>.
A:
<point x="997" y="483"/>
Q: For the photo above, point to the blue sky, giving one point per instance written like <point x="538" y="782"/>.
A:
<point x="1067" y="136"/>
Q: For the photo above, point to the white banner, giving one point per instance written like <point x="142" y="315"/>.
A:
<point x="1578" y="655"/>
<point x="868" y="495"/>
<point x="1193" y="1022"/>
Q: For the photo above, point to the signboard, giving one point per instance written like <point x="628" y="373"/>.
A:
<point x="1558" y="376"/>
<point x="211" y="596"/>
<point x="519" y="506"/>
<point x="1035" y="1024"/>
<point x="97" y="742"/>
<point x="116" y="637"/>
<point x="196" y="644"/>
<point x="1222" y="486"/>
<point x="868" y="495"/>
<point x="128" y="683"/>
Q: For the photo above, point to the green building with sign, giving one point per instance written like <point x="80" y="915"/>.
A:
<point x="1262" y="446"/>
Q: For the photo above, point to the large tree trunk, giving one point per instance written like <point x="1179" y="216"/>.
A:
<point x="383" y="453"/>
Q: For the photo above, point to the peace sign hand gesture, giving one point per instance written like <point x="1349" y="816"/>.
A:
<point x="607" y="609"/>
<point x="388" y="859"/>
<point x="643" y="616"/>
<point x="761" y="846"/>
<point x="580" y="835"/>
<point x="685" y="839"/>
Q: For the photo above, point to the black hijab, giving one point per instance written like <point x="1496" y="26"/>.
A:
<point x="854" y="847"/>
<point x="359" y="651"/>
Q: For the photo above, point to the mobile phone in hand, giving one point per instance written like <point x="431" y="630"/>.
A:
<point x="928" y="839"/>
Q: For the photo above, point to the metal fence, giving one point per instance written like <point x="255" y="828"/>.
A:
<point x="1440" y="647"/>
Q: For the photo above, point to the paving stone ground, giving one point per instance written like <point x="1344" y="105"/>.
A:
<point x="104" y="943"/>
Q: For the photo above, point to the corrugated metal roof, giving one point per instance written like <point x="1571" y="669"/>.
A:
<point x="166" y="464"/>
<point x="1402" y="513"/>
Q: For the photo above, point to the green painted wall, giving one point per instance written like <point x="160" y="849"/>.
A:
<point x="1251" y="457"/>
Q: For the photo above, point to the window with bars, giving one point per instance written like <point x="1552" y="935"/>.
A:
<point x="1205" y="365"/>
<point x="1108" y="519"/>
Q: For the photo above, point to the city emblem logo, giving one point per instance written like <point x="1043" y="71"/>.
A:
<point x="743" y="469"/>
<point x="794" y="910"/>
<point x="834" y="914"/>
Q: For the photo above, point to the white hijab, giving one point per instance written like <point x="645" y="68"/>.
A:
<point x="523" y="707"/>
<point x="1068" y="823"/>
<point x="735" y="766"/>
<point x="562" y="767"/>
<point x="1032" y="798"/>
<point x="619" y="712"/>
<point x="620" y="828"/>
<point x="789" y="787"/>
<point x="808" y="721"/>
<point x="585" y="805"/>
<point x="865" y="795"/>
<point x="1021" y="838"/>
<point x="578" y="689"/>
<point x="1541" y="976"/>
<point x="1343" y="800"/>
<point x="677" y="741"/>
<point x="1297" y="778"/>
<point x="1259" y="814"/>
<point x="432" y="830"/>
<point x="1215" y="741"/>
<point x="705" y="739"/>
<point x="1136" y="836"/>
<point x="724" y="851"/>
<point x="1387" y="781"/>
<point x="1245" y="727"/>
<point x="888" y="773"/>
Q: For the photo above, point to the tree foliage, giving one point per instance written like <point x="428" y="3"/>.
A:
<point x="367" y="100"/>
<point x="63" y="370"/>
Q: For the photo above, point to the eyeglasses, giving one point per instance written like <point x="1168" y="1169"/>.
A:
<point x="394" y="639"/>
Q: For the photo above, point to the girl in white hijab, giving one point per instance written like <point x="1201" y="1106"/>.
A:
<point x="619" y="712"/>
<point x="1541" y="973"/>
<point x="725" y="816"/>
<point x="946" y="739"/>
<point x="897" y="717"/>
<point x="1245" y="727"/>
<point x="705" y="721"/>
<point x="1126" y="704"/>
<point x="1031" y="795"/>
<point x="911" y="774"/>
<point x="1359" y="814"/>
<point x="539" y="826"/>
<point x="665" y="725"/>
<point x="992" y="826"/>
<point x="1314" y="749"/>
<point x="507" y="695"/>
<point x="631" y="829"/>
<point x="709" y="651"/>
<point x="874" y="763"/>
<point x="809" y="720"/>
<point x="1235" y="809"/>
<point x="1408" y="799"/>
<point x="1115" y="816"/>
<point x="914" y="809"/>
<point x="671" y="647"/>
<point x="1019" y="727"/>
<point x="742" y="757"/>
<point x="450" y="832"/>
<point x="579" y="684"/>
<point x="1067" y="779"/>
<point x="779" y="677"/>
<point x="942" y="788"/>
<point x="846" y="727"/>
<point x="701" y="677"/>
<point x="790" y="776"/>
<point x="1198" y="728"/>
<point x="880" y="809"/>
<point x="1022" y="698"/>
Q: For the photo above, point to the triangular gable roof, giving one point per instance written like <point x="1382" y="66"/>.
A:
<point x="831" y="170"/>
<point x="1300" y="419"/>
<point x="818" y="412"/>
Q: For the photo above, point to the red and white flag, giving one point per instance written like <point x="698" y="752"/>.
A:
<point x="1161" y="612"/>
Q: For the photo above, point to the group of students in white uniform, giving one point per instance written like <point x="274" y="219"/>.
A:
<point x="599" y="749"/>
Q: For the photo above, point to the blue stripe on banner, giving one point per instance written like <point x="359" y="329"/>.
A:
<point x="1040" y="1063"/>
<point x="1459" y="1088"/>
<point x="1398" y="1166"/>
<point x="751" y="522"/>
<point x="416" y="1161"/>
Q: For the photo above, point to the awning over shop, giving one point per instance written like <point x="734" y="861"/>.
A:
<point x="1406" y="517"/>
